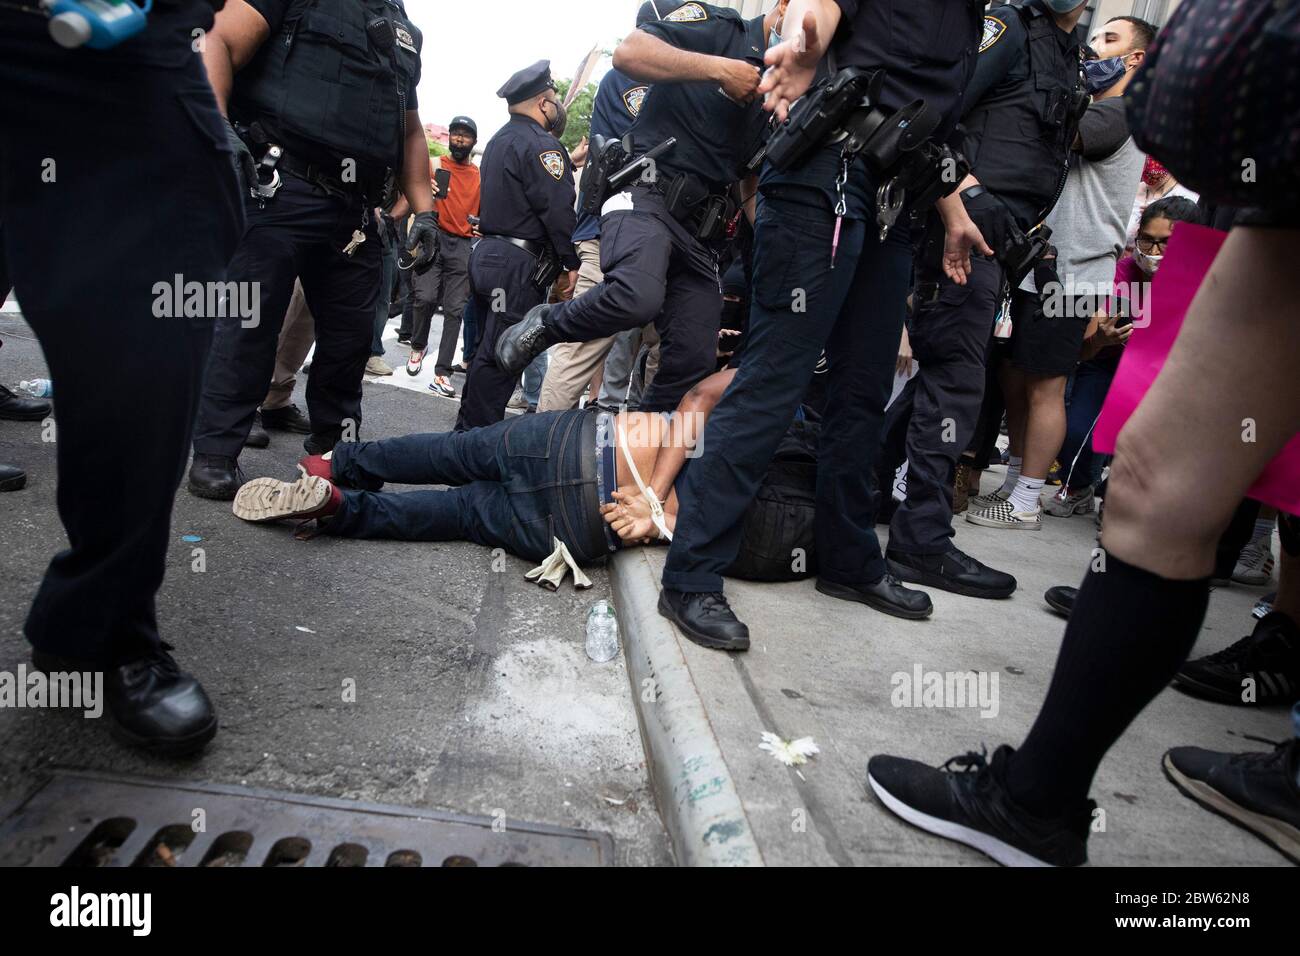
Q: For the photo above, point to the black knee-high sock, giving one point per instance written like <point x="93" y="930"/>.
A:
<point x="1129" y="632"/>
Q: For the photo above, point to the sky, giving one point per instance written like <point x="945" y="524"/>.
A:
<point x="472" y="47"/>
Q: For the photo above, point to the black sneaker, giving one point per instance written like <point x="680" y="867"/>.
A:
<point x="1261" y="668"/>
<point x="287" y="419"/>
<point x="966" y="800"/>
<point x="1061" y="599"/>
<point x="954" y="571"/>
<point x="1258" y="791"/>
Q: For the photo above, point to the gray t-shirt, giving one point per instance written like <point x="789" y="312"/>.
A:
<point x="1089" y="219"/>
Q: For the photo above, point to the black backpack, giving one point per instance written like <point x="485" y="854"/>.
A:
<point x="777" y="540"/>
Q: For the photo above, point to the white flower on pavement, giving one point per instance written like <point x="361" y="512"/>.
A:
<point x="791" y="753"/>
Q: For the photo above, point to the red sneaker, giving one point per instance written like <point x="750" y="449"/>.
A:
<point x="269" y="499"/>
<point x="318" y="466"/>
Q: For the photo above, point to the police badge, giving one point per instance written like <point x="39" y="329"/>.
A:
<point x="553" y="163"/>
<point x="993" y="30"/>
<point x="633" y="99"/>
<point x="687" y="13"/>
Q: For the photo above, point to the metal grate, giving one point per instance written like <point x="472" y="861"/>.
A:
<point x="87" y="819"/>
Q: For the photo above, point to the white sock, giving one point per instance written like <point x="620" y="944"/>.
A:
<point x="1013" y="474"/>
<point x="1025" y="495"/>
<point x="1263" y="529"/>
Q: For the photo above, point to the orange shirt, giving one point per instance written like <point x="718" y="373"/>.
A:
<point x="462" y="196"/>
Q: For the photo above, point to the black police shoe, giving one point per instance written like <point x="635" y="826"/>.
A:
<point x="216" y="477"/>
<point x="1259" y="792"/>
<point x="954" y="571"/>
<point x="706" y="619"/>
<point x="966" y="800"/>
<point x="1061" y="599"/>
<point x="11" y="478"/>
<point x="257" y="436"/>
<point x="887" y="596"/>
<point x="1261" y="668"/>
<point x="318" y="443"/>
<point x="287" y="419"/>
<point x="151" y="703"/>
<point x="16" y="408"/>
<point x="528" y="338"/>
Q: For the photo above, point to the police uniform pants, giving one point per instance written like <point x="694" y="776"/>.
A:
<point x="155" y="198"/>
<point x="299" y="233"/>
<point x="801" y="306"/>
<point x="501" y="294"/>
<point x="655" y="271"/>
<point x="950" y="340"/>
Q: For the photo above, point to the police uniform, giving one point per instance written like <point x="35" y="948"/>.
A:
<point x="330" y="87"/>
<point x="156" y="197"/>
<point x="1019" y="125"/>
<point x="571" y="365"/>
<point x="526" y="212"/>
<point x="801" y="307"/>
<point x="655" y="269"/>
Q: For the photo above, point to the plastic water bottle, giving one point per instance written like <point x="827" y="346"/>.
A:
<point x="602" y="633"/>
<point x="37" y="388"/>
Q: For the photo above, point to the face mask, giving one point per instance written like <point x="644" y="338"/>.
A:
<point x="1147" y="263"/>
<point x="1061" y="6"/>
<point x="1101" y="75"/>
<point x="774" y="39"/>
<point x="461" y="153"/>
<point x="561" y="119"/>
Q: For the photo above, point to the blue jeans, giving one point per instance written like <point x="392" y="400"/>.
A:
<point x="1083" y="400"/>
<point x="533" y="376"/>
<point x="800" y="307"/>
<point x="515" y="485"/>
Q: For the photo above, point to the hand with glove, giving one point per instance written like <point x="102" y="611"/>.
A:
<point x="550" y="573"/>
<point x="423" y="235"/>
<point x="991" y="217"/>
<point x="244" y="164"/>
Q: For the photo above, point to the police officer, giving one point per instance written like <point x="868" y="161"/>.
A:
<point x="658" y="235"/>
<point x="320" y="96"/>
<point x="105" y="327"/>
<point x="823" y="280"/>
<point x="571" y="365"/>
<point x="527" y="222"/>
<point x="1020" y="114"/>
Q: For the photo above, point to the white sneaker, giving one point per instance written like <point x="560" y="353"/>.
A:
<point x="1063" y="504"/>
<point x="517" y="400"/>
<point x="416" y="362"/>
<point x="1003" y="515"/>
<point x="982" y="502"/>
<point x="1255" y="564"/>
<point x="377" y="366"/>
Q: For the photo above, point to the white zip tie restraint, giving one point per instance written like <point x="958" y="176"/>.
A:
<point x="656" y="509"/>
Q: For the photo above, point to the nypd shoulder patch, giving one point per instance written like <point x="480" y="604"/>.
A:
<point x="553" y="163"/>
<point x="687" y="13"/>
<point x="633" y="99"/>
<point x="993" y="30"/>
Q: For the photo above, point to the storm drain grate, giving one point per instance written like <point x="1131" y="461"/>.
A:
<point x="86" y="819"/>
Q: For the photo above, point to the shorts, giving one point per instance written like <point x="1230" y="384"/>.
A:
<point x="1043" y="344"/>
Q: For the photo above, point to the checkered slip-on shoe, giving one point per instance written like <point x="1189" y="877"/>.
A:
<point x="1004" y="515"/>
<point x="980" y="502"/>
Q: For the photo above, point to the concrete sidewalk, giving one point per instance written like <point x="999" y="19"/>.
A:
<point x="835" y="671"/>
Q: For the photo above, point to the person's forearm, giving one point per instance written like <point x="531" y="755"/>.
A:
<point x="650" y="60"/>
<point x="415" y="183"/>
<point x="951" y="209"/>
<point x="219" y="63"/>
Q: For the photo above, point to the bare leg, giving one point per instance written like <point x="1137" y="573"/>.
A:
<point x="1045" y="424"/>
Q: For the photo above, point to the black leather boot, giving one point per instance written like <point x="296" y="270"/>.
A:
<point x="287" y="419"/>
<point x="954" y="571"/>
<point x="706" y="619"/>
<point x="528" y="338"/>
<point x="257" y="436"/>
<point x="887" y="596"/>
<point x="11" y="478"/>
<point x="152" y="704"/>
<point x="19" y="408"/>
<point x="215" y="476"/>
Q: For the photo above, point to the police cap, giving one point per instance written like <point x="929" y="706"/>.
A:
<point x="527" y="83"/>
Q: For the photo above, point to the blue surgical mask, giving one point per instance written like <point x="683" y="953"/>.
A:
<point x="774" y="39"/>
<point x="1101" y="75"/>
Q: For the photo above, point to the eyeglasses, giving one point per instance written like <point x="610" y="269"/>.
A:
<point x="1149" y="245"/>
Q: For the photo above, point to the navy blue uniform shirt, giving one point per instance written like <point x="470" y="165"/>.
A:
<point x="528" y="189"/>
<point x="716" y="136"/>
<point x="618" y="101"/>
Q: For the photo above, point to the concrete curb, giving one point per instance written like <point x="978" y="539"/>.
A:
<point x="697" y="799"/>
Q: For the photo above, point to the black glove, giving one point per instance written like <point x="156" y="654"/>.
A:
<point x="991" y="216"/>
<point x="244" y="164"/>
<point x="424" y="234"/>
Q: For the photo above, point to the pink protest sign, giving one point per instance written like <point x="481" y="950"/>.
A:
<point x="1187" y="260"/>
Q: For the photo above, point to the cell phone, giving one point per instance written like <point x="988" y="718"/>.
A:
<point x="442" y="179"/>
